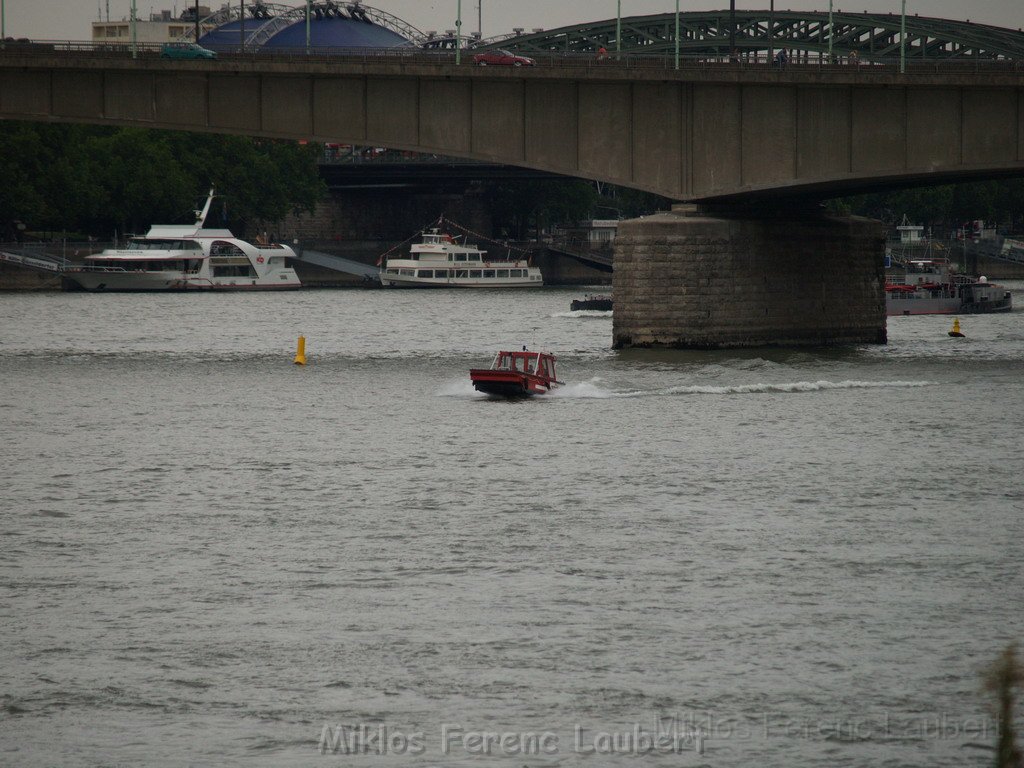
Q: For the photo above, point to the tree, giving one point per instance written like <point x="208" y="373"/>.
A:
<point x="255" y="178"/>
<point x="96" y="179"/>
<point x="23" y="161"/>
<point x="519" y="207"/>
<point x="945" y="206"/>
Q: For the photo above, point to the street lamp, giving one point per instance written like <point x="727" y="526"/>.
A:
<point x="903" y="39"/>
<point x="732" y="28"/>
<point x="458" y="34"/>
<point x="618" y="29"/>
<point x="831" y="33"/>
<point x="308" y="3"/>
<point x="134" y="34"/>
<point x="677" y="34"/>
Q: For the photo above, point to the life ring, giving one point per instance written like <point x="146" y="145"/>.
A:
<point x="259" y="259"/>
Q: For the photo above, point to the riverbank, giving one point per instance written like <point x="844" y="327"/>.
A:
<point x="558" y="269"/>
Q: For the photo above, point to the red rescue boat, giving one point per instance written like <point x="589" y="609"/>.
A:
<point x="517" y="374"/>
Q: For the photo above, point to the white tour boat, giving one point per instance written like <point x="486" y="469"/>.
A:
<point x="442" y="261"/>
<point x="177" y="257"/>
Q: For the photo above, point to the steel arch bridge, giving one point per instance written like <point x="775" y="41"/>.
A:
<point x="874" y="36"/>
<point x="266" y="19"/>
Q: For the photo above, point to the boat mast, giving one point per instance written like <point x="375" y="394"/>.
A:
<point x="201" y="215"/>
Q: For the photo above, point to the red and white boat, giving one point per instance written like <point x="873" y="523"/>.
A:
<point x="180" y="257"/>
<point x="442" y="260"/>
<point x="930" y="287"/>
<point x="517" y="374"/>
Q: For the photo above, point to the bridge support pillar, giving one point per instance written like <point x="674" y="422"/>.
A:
<point x="708" y="279"/>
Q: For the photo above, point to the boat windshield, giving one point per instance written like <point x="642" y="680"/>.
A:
<point x="525" y="362"/>
<point x="164" y="245"/>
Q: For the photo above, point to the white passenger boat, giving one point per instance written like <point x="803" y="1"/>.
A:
<point x="441" y="260"/>
<point x="178" y="257"/>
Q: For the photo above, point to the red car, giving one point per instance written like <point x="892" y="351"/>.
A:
<point x="502" y="58"/>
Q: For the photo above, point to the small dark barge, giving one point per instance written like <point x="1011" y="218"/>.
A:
<point x="592" y="302"/>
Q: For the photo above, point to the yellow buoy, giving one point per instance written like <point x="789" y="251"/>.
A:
<point x="956" y="328"/>
<point x="300" y="354"/>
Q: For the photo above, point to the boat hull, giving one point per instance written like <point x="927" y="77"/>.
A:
<point x="404" y="281"/>
<point x="598" y="305"/>
<point x="136" y="282"/>
<point x="141" y="282"/>
<point x="895" y="307"/>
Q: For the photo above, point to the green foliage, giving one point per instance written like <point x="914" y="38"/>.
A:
<point x="943" y="206"/>
<point x="631" y="203"/>
<point x="23" y="161"/>
<point x="96" y="180"/>
<point x="134" y="181"/>
<point x="257" y="178"/>
<point x="521" y="208"/>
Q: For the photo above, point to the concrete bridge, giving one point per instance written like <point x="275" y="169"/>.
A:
<point x="699" y="133"/>
<point x="715" y="134"/>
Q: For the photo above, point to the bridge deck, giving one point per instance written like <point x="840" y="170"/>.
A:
<point x="708" y="131"/>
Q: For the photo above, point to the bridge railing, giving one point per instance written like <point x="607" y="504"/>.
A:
<point x="344" y="154"/>
<point x="801" y="61"/>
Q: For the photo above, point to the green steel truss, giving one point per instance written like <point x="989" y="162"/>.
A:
<point x="874" y="36"/>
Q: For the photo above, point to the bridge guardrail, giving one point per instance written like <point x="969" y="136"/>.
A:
<point x="409" y="55"/>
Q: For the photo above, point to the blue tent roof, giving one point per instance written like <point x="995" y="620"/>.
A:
<point x="323" y="33"/>
<point x="228" y="34"/>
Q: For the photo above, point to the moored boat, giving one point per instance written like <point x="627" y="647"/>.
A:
<point x="443" y="260"/>
<point x="517" y="374"/>
<point x="592" y="302"/>
<point x="929" y="287"/>
<point x="179" y="257"/>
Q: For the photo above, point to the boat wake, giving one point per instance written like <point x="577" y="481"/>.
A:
<point x="459" y="389"/>
<point x="594" y="390"/>
<point x="584" y="313"/>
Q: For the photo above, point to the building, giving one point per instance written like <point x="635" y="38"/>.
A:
<point x="161" y="27"/>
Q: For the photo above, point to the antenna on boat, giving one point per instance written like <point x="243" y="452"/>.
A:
<point x="201" y="215"/>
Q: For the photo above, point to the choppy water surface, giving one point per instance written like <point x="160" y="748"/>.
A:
<point x="207" y="554"/>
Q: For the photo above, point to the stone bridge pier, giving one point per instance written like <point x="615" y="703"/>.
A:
<point x="713" y="278"/>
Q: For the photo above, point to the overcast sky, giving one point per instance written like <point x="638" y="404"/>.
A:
<point x="70" y="19"/>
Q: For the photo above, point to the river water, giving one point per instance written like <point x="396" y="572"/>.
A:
<point x="212" y="557"/>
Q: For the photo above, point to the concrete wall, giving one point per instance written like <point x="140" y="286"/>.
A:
<point x="696" y="281"/>
<point x="693" y="134"/>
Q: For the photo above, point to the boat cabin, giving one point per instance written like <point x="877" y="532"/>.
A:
<point x="536" y="363"/>
<point x="440" y="246"/>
